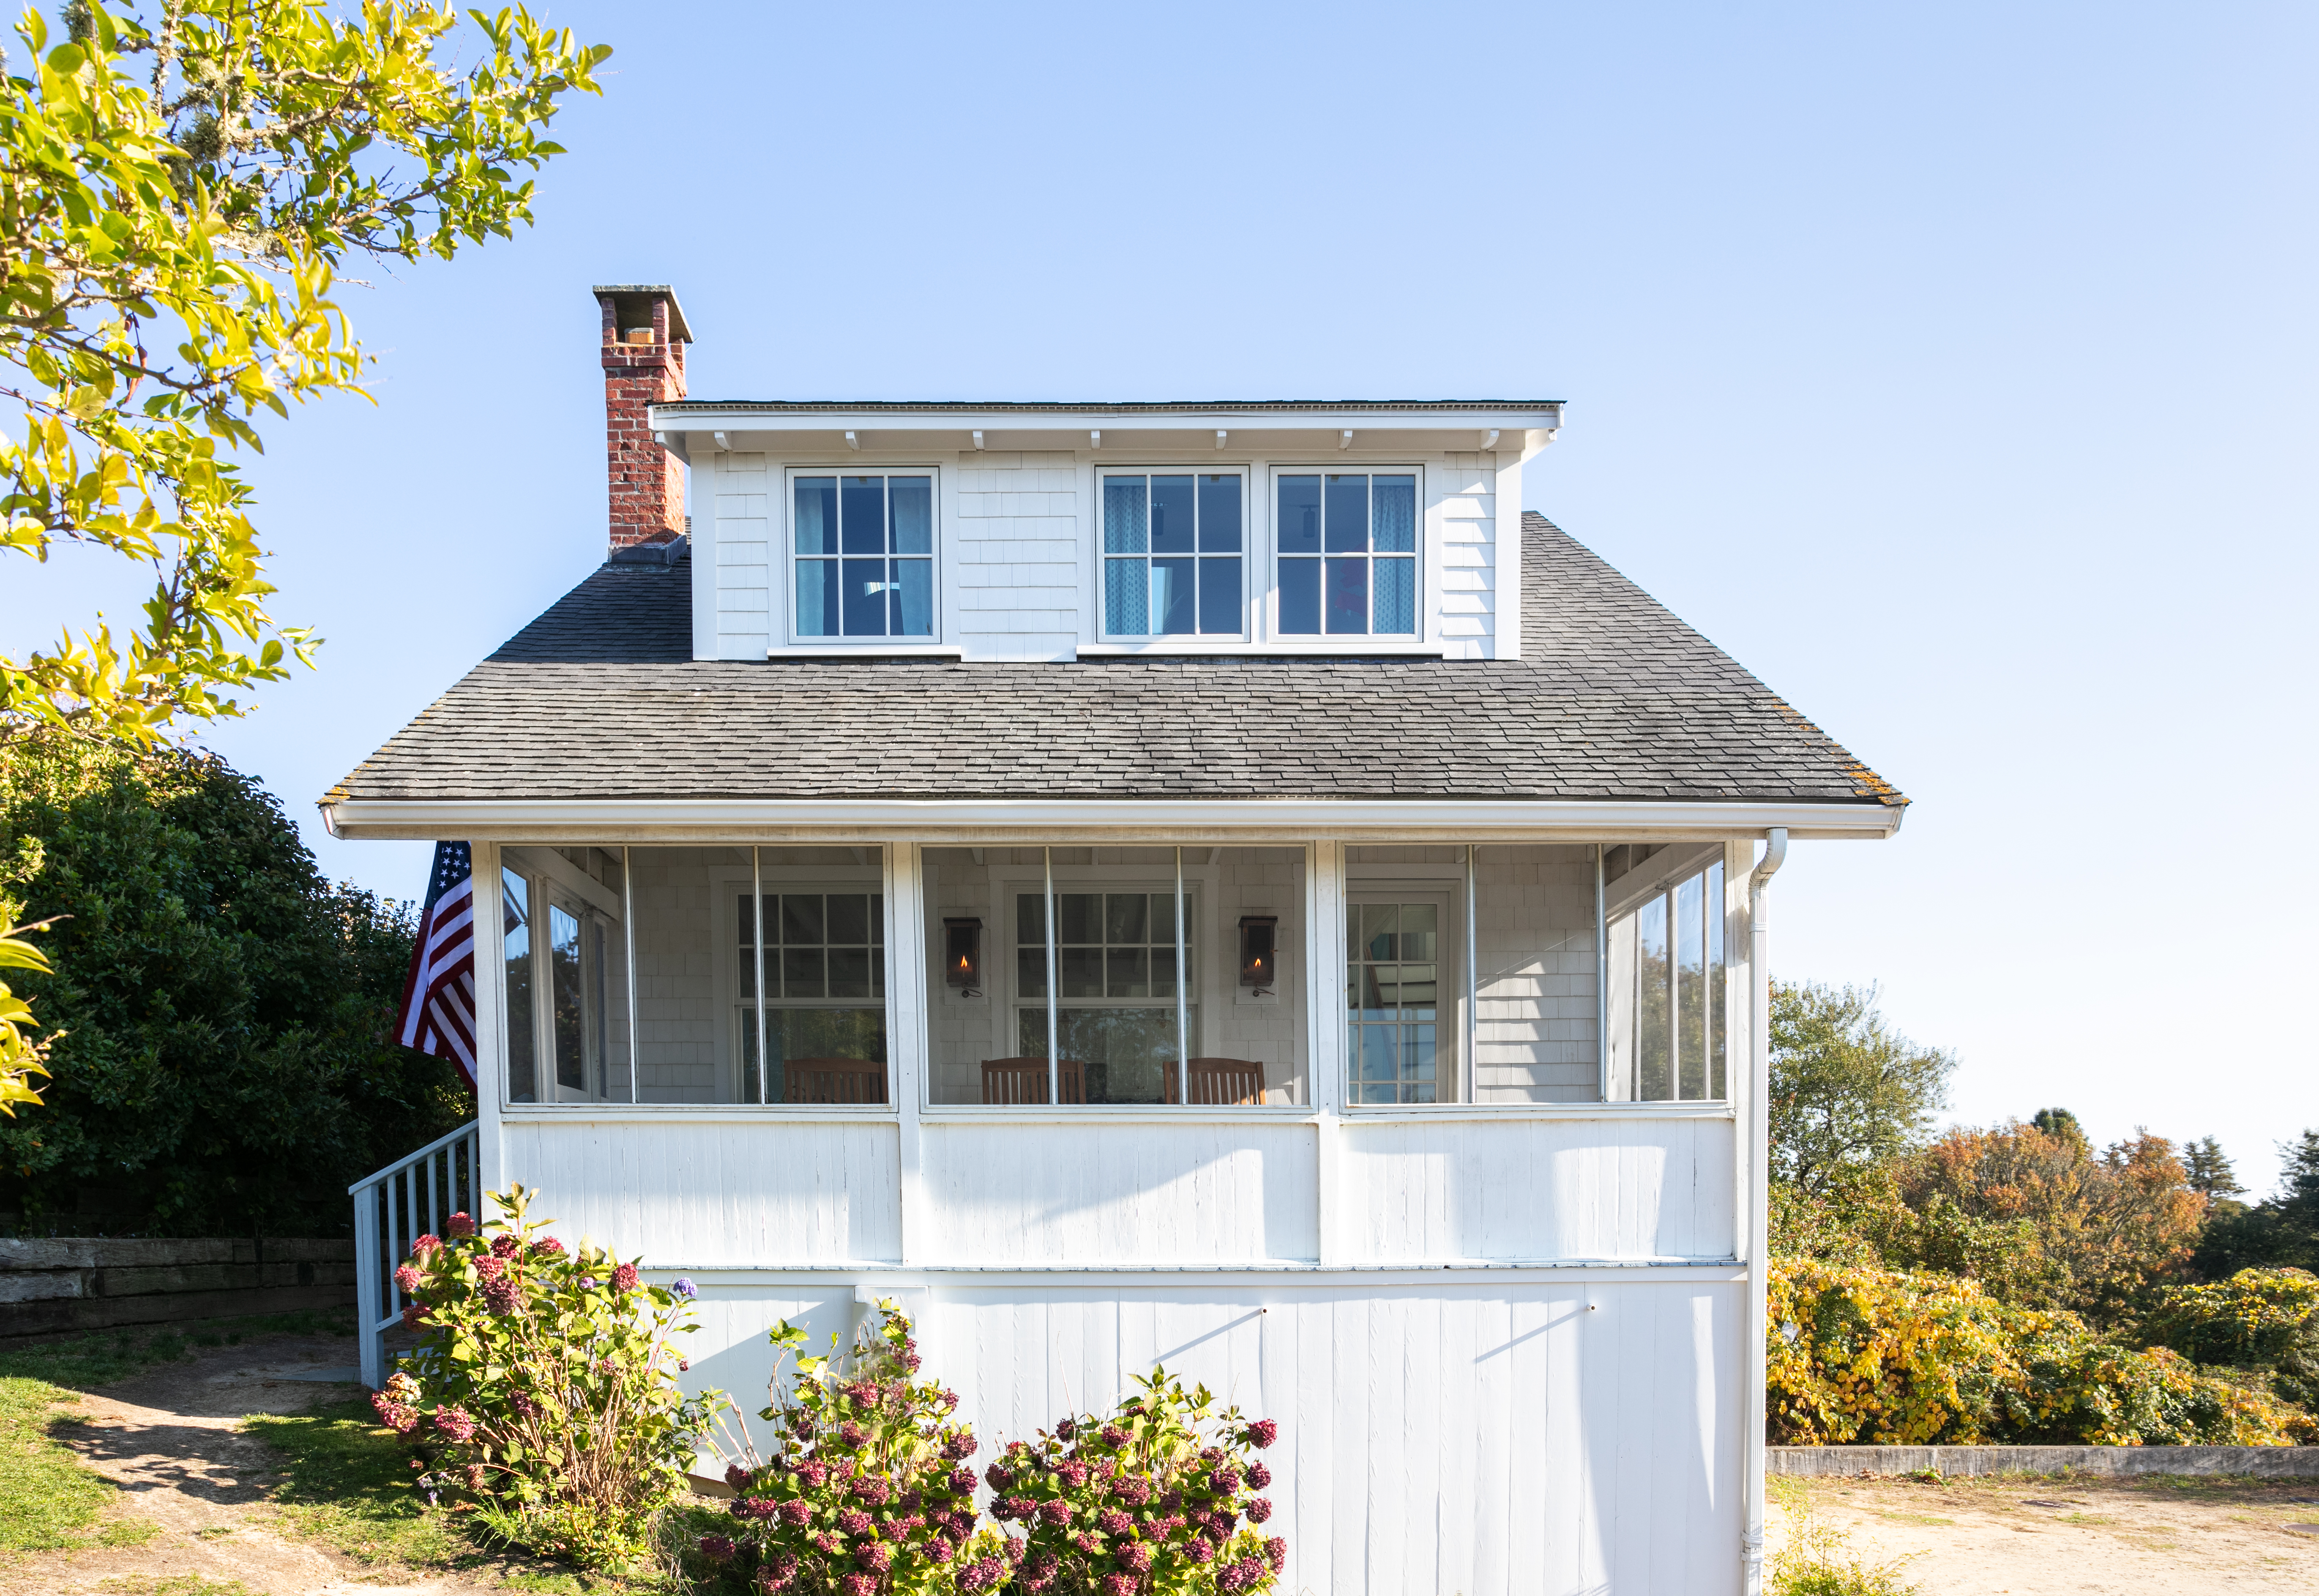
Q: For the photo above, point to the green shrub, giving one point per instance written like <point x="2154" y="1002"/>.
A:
<point x="220" y="1011"/>
<point x="1875" y="1357"/>
<point x="2265" y="1321"/>
<point x="544" y="1385"/>
<point x="870" y="1491"/>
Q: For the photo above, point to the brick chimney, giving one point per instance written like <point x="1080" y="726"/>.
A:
<point x="645" y="337"/>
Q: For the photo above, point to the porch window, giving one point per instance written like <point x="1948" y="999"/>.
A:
<point x="567" y="989"/>
<point x="1171" y="555"/>
<point x="1667" y="985"/>
<point x="1471" y="974"/>
<point x="1347" y="554"/>
<point x="1113" y="977"/>
<point x="863" y="554"/>
<point x="732" y="975"/>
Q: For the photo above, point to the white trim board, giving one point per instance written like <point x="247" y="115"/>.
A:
<point x="1081" y="820"/>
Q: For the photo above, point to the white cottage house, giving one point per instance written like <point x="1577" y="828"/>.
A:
<point x="1210" y="883"/>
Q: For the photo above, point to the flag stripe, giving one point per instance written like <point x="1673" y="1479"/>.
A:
<point x="438" y="999"/>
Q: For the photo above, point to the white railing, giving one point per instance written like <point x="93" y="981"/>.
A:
<point x="391" y="1208"/>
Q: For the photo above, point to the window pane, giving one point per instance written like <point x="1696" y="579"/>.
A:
<point x="865" y="598"/>
<point x="1127" y="918"/>
<point x="1220" y="522"/>
<point x="913" y="596"/>
<point x="1397" y="597"/>
<point x="1300" y="597"/>
<point x="568" y="1006"/>
<point x="849" y="973"/>
<point x="801" y="918"/>
<point x="1173" y="597"/>
<point x="817" y="515"/>
<point x="816" y="598"/>
<point x="1691" y="989"/>
<point x="1079" y="915"/>
<point x="1078" y="971"/>
<point x="1379" y="924"/>
<point x="1123" y="516"/>
<point x="1655" y="1075"/>
<point x="1717" y="1087"/>
<point x="1171" y="515"/>
<point x="804" y="972"/>
<point x="1421" y="930"/>
<point x="1299" y="531"/>
<point x="1395" y="508"/>
<point x="848" y="917"/>
<point x="1221" y="606"/>
<point x="1348" y="595"/>
<point x="1348" y="516"/>
<point x="1128" y="972"/>
<point x="523" y="1072"/>
<point x="1123" y="612"/>
<point x="911" y="503"/>
<point x="862" y="514"/>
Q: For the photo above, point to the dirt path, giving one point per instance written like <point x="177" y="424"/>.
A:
<point x="168" y="1437"/>
<point x="2084" y="1538"/>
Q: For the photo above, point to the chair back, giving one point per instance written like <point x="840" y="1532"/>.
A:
<point x="833" y="1080"/>
<point x="1024" y="1080"/>
<point x="1218" y="1082"/>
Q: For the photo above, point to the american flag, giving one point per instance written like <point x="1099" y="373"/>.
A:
<point x="439" y="1000"/>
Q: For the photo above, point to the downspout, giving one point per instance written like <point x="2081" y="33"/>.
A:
<point x="1759" y="1197"/>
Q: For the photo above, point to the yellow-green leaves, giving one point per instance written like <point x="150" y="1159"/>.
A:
<point x="21" y="1055"/>
<point x="179" y="186"/>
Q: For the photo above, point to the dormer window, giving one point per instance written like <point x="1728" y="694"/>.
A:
<point x="1172" y="548"/>
<point x="1347" y="553"/>
<point x="864" y="555"/>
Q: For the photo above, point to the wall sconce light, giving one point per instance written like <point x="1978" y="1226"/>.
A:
<point x="962" y="956"/>
<point x="1258" y="953"/>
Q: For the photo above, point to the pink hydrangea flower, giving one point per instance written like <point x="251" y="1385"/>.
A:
<point x="998" y="1477"/>
<point x="1225" y="1479"/>
<point x="625" y="1277"/>
<point x="1119" y="1584"/>
<point x="853" y="1521"/>
<point x="1133" y="1491"/>
<point x="506" y="1244"/>
<point x="1259" y="1510"/>
<point x="1074" y="1473"/>
<point x="1055" y="1510"/>
<point x="396" y="1416"/>
<point x="408" y="1280"/>
<point x="413" y="1315"/>
<point x="797" y="1511"/>
<point x="490" y="1267"/>
<point x="1276" y="1552"/>
<point x="1263" y="1433"/>
<point x="961" y="1480"/>
<point x="858" y="1585"/>
<point x="875" y="1555"/>
<point x="1112" y="1436"/>
<point x="981" y="1574"/>
<point x="455" y="1422"/>
<point x="502" y="1297"/>
<point x="716" y="1548"/>
<point x="459" y="1226"/>
<point x="941" y="1548"/>
<point x="1258" y="1477"/>
<point x="961" y="1445"/>
<point x="547" y="1247"/>
<point x="1136" y="1557"/>
<point x="1114" y="1522"/>
<point x="871" y="1490"/>
<point x="1201" y="1549"/>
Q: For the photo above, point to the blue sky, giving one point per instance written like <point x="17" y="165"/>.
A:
<point x="1949" y="366"/>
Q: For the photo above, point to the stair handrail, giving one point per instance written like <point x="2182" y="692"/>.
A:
<point x="381" y="1244"/>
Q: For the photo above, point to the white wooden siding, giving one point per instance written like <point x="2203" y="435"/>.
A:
<point x="739" y="1194"/>
<point x="1524" y="1435"/>
<point x="1536" y="1189"/>
<point x="1206" y="1193"/>
<point x="1015" y="549"/>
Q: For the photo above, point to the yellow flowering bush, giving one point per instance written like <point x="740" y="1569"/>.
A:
<point x="1874" y="1357"/>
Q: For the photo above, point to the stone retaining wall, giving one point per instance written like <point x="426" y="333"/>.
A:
<point x="2277" y="1462"/>
<point x="50" y="1285"/>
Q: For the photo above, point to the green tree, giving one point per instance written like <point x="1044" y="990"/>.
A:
<point x="180" y="182"/>
<point x="2281" y="1232"/>
<point x="2209" y="1169"/>
<point x="1848" y="1090"/>
<point x="221" y="1011"/>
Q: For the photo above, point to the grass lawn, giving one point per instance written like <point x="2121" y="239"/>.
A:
<point x="48" y="1500"/>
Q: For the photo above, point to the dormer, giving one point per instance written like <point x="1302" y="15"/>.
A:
<point x="1060" y="531"/>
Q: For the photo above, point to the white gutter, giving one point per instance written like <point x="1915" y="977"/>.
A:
<point x="1758" y="1239"/>
<point x="1056" y="820"/>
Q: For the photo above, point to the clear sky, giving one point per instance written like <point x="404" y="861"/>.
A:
<point x="1950" y="366"/>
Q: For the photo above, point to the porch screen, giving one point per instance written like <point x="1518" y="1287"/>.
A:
<point x="567" y="975"/>
<point x="1083" y="948"/>
<point x="1668" y="974"/>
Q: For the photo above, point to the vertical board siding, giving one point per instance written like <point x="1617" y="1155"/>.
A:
<point x="736" y="1194"/>
<point x="1537" y="1189"/>
<point x="1126" y="1194"/>
<point x="1514" y="1438"/>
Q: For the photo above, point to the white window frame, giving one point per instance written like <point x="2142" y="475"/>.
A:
<point x="787" y="559"/>
<point x="731" y="990"/>
<point x="1249" y="556"/>
<point x="1452" y="1066"/>
<point x="1421" y="629"/>
<point x="551" y="881"/>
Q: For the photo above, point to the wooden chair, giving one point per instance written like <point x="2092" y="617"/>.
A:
<point x="833" y="1080"/>
<point x="1216" y="1082"/>
<point x="1024" y="1080"/>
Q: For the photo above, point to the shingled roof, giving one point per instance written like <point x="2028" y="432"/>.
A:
<point x="1614" y="698"/>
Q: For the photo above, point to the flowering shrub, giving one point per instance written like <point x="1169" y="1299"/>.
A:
<point x="1159" y="1498"/>
<point x="1870" y="1357"/>
<point x="542" y="1386"/>
<point x="870" y="1492"/>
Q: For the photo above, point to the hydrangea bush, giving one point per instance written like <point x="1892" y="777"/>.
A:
<point x="543" y="1386"/>
<point x="1162" y="1498"/>
<point x="868" y="1492"/>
